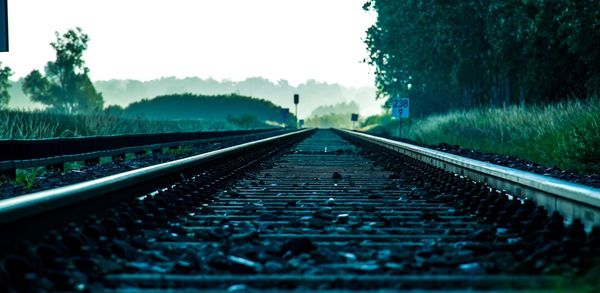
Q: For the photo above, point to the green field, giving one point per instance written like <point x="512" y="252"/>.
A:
<point x="566" y="135"/>
<point x="40" y="124"/>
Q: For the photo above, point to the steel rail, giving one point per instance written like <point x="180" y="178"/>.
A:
<point x="574" y="201"/>
<point x="45" y="152"/>
<point x="21" y="164"/>
<point x="31" y="149"/>
<point x="29" y="205"/>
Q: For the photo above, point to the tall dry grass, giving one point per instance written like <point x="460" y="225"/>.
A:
<point x="566" y="134"/>
<point x="40" y="124"/>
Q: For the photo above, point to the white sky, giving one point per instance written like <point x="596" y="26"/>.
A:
<point x="224" y="39"/>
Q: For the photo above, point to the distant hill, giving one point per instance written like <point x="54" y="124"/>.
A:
<point x="312" y="93"/>
<point x="339" y="108"/>
<point x="337" y="115"/>
<point x="200" y="107"/>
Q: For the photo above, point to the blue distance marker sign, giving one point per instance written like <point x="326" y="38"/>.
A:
<point x="400" y="107"/>
<point x="3" y="26"/>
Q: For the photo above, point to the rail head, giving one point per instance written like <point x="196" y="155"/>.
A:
<point x="20" y="207"/>
<point x="27" y="153"/>
<point x="572" y="199"/>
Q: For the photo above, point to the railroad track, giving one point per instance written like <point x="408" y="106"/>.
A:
<point x="312" y="210"/>
<point x="124" y="153"/>
<point x="53" y="153"/>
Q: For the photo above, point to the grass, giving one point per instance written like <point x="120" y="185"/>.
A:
<point x="26" y="177"/>
<point x="182" y="150"/>
<point x="39" y="124"/>
<point x="566" y="135"/>
<point x="16" y="124"/>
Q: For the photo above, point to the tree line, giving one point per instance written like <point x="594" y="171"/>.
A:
<point x="242" y="110"/>
<point x="312" y="93"/>
<point x="337" y="115"/>
<point x="65" y="87"/>
<point x="448" y="54"/>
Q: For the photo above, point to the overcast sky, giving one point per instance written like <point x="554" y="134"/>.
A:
<point x="224" y="39"/>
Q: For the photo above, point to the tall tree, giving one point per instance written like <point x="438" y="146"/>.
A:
<point x="66" y="86"/>
<point x="465" y="53"/>
<point x="5" y="73"/>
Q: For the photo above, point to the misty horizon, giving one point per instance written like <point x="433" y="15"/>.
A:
<point x="313" y="93"/>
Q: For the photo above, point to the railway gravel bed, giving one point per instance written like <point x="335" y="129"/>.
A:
<point x="325" y="214"/>
<point x="53" y="179"/>
<point x="511" y="162"/>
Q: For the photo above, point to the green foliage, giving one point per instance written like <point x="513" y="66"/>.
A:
<point x="42" y="124"/>
<point x="374" y="121"/>
<point x="26" y="177"/>
<point x="565" y="134"/>
<point x="66" y="86"/>
<point x="462" y="54"/>
<point x="329" y="120"/>
<point x="114" y="110"/>
<point x="312" y="93"/>
<point x="250" y="111"/>
<point x="183" y="150"/>
<point x="70" y="166"/>
<point x="245" y="121"/>
<point x="339" y="108"/>
<point x="329" y="116"/>
<point x="5" y="73"/>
